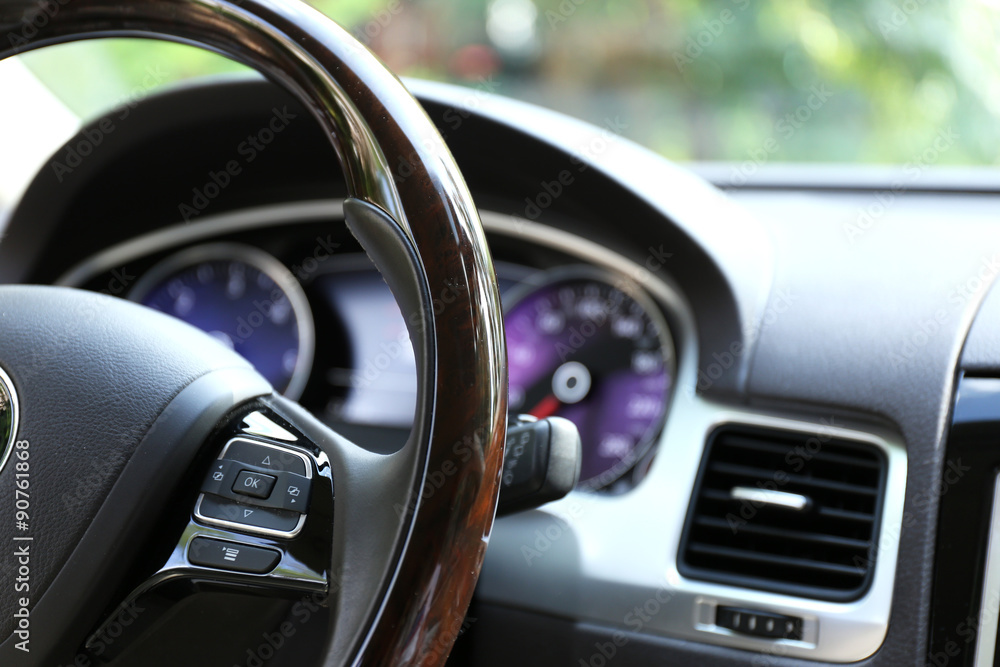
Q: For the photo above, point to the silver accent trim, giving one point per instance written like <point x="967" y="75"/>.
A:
<point x="256" y="423"/>
<point x="207" y="227"/>
<point x="615" y="552"/>
<point x="7" y="388"/>
<point x="989" y="607"/>
<point x="245" y="528"/>
<point x="705" y="614"/>
<point x="792" y="501"/>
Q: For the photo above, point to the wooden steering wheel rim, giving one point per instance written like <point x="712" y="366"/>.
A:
<point x="393" y="158"/>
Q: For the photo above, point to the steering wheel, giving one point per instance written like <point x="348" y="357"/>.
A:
<point x="150" y="463"/>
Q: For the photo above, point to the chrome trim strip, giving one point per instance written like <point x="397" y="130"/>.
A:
<point x="7" y="387"/>
<point x="245" y="528"/>
<point x="989" y="606"/>
<point x="257" y="423"/>
<point x="792" y="501"/>
<point x="211" y="225"/>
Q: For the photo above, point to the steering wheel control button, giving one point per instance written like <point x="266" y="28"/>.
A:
<point x="265" y="520"/>
<point x="759" y="623"/>
<point x="236" y="480"/>
<point x="268" y="457"/>
<point x="254" y="484"/>
<point x="208" y="552"/>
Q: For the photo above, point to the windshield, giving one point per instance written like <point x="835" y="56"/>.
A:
<point x="742" y="81"/>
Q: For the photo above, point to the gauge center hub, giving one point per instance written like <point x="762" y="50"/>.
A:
<point x="571" y="382"/>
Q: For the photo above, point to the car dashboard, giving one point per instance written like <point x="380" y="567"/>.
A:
<point x="763" y="382"/>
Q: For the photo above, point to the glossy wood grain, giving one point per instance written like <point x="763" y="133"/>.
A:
<point x="394" y="158"/>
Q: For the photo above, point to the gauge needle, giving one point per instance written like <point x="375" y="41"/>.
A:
<point x="546" y="407"/>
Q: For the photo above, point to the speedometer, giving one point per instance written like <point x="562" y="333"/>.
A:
<point x="243" y="297"/>
<point x="596" y="351"/>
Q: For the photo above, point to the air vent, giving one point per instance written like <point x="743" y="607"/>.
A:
<point x="793" y="513"/>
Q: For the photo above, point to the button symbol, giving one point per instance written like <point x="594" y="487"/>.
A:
<point x="266" y="461"/>
<point x="293" y="491"/>
<point x="231" y="554"/>
<point x="218" y="476"/>
<point x="247" y="513"/>
<point x="254" y="484"/>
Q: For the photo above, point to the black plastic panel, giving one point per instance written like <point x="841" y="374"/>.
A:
<point x="966" y="493"/>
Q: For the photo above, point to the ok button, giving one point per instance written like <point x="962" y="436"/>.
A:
<point x="254" y="484"/>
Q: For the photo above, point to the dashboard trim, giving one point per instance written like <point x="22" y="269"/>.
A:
<point x="208" y="227"/>
<point x="624" y="548"/>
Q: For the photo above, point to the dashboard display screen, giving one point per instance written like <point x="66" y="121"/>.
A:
<point x="375" y="378"/>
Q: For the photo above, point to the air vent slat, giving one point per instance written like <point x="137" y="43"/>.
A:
<point x="824" y="550"/>
<point x="762" y="445"/>
<point x="773" y="559"/>
<point x="846" y="514"/>
<point x="783" y="533"/>
<point x="760" y="473"/>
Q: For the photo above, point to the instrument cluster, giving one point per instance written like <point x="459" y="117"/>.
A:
<point x="584" y="343"/>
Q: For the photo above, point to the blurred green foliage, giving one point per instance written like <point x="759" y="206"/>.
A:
<point x="734" y="80"/>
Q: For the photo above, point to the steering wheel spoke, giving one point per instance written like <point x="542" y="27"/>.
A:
<point x="261" y="525"/>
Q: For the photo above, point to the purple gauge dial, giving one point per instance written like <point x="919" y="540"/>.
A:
<point x="243" y="297"/>
<point x="583" y="349"/>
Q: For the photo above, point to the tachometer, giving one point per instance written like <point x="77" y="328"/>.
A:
<point x="596" y="351"/>
<point x="245" y="298"/>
